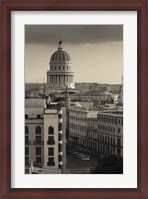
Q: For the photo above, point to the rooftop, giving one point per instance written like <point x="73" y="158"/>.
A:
<point x="34" y="103"/>
<point x="112" y="113"/>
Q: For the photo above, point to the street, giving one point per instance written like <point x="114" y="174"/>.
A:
<point x="79" y="163"/>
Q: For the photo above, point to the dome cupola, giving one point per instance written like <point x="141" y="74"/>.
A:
<point x="60" y="55"/>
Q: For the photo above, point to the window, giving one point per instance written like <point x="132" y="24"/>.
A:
<point x="38" y="116"/>
<point x="38" y="159"/>
<point x="26" y="116"/>
<point x="59" y="116"/>
<point x="108" y="139"/>
<point x="59" y="67"/>
<point x="26" y="160"/>
<point x="105" y="128"/>
<point x="51" y="161"/>
<point x="50" y="130"/>
<point x="105" y="138"/>
<point x="100" y="137"/>
<point x="26" y="150"/>
<point x="63" y="67"/>
<point x="51" y="140"/>
<point x="67" y="67"/>
<point x="119" y="121"/>
<point x="118" y="151"/>
<point x="38" y="139"/>
<point x="50" y="151"/>
<point x="38" y="130"/>
<point x="118" y="130"/>
<point x="26" y="139"/>
<point x="118" y="142"/>
<point x="26" y="130"/>
<point x="38" y="150"/>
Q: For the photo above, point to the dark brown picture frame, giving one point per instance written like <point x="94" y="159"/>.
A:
<point x="141" y="6"/>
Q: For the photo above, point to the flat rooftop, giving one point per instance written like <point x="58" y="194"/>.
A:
<point x="34" y="103"/>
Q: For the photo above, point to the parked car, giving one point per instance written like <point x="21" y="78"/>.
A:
<point x="85" y="159"/>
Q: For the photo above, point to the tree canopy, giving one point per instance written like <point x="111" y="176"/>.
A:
<point x="111" y="164"/>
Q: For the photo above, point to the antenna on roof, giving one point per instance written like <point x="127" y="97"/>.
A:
<point x="61" y="38"/>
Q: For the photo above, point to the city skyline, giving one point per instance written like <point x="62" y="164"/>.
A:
<point x="96" y="51"/>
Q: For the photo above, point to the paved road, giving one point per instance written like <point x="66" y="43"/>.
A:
<point x="79" y="166"/>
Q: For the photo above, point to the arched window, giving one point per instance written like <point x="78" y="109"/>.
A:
<point x="26" y="130"/>
<point x="38" y="130"/>
<point x="50" y="130"/>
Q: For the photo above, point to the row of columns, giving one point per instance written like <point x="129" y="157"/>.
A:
<point x="64" y="68"/>
<point x="60" y="78"/>
<point x="98" y="147"/>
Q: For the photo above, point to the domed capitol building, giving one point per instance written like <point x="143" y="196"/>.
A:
<point x="60" y="75"/>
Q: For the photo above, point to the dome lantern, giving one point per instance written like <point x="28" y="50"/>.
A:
<point x="60" y="45"/>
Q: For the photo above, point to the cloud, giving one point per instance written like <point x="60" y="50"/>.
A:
<point x="73" y="34"/>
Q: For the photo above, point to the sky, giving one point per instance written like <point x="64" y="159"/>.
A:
<point x="96" y="51"/>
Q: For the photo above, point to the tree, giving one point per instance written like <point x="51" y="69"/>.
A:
<point x="112" y="164"/>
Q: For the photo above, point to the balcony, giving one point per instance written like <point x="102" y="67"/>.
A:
<point x="60" y="148"/>
<point x="59" y="137"/>
<point x="60" y="158"/>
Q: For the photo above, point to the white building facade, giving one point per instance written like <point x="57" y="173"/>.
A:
<point x="78" y="125"/>
<point x="106" y="133"/>
<point x="100" y="132"/>
<point x="45" y="135"/>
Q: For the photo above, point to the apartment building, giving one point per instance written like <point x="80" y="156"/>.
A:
<point x="45" y="135"/>
<point x="101" y="132"/>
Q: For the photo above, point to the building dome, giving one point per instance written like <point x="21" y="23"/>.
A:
<point x="60" y="55"/>
<point x="60" y="75"/>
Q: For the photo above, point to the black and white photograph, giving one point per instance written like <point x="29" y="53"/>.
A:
<point x="73" y="99"/>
